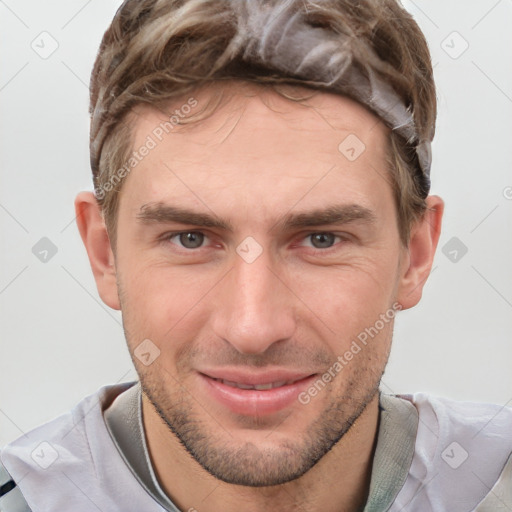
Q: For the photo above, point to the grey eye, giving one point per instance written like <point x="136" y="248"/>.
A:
<point x="322" y="240"/>
<point x="191" y="239"/>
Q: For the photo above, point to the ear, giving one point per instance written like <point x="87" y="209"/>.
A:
<point x="420" y="253"/>
<point x="97" y="243"/>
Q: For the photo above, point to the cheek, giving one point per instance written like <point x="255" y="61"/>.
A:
<point x="351" y="297"/>
<point x="158" y="300"/>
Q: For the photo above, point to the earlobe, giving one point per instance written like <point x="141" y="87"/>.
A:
<point x="422" y="247"/>
<point x="97" y="243"/>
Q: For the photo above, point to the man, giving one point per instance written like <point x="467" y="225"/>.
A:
<point x="260" y="216"/>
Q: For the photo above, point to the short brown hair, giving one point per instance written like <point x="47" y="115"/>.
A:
<point x="158" y="50"/>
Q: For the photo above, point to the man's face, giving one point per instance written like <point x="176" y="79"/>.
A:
<point x="288" y="251"/>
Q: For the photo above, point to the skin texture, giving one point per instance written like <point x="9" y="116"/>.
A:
<point x="256" y="161"/>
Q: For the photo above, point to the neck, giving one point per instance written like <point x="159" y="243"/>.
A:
<point x="338" y="482"/>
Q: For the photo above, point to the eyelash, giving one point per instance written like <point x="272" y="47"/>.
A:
<point x="169" y="236"/>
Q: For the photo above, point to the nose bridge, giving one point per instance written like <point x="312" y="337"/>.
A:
<point x="255" y="309"/>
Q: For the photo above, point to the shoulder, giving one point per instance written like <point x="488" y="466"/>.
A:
<point x="73" y="451"/>
<point x="455" y="433"/>
<point x="462" y="451"/>
<point x="37" y="448"/>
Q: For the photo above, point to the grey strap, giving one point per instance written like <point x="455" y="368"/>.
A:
<point x="11" y="499"/>
<point x="394" y="451"/>
<point x="124" y="423"/>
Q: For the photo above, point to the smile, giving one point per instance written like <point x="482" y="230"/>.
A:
<point x="256" y="394"/>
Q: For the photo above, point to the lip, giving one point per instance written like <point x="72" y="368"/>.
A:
<point x="253" y="402"/>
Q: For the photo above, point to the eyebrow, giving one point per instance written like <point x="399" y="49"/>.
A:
<point x="335" y="214"/>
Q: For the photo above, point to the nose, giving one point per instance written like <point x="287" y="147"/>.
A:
<point x="255" y="306"/>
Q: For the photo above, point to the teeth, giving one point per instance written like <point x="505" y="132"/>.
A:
<point x="282" y="383"/>
<point x="263" y="386"/>
<point x="258" y="387"/>
<point x="237" y="385"/>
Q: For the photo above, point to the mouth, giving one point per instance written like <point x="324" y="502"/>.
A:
<point x="254" y="394"/>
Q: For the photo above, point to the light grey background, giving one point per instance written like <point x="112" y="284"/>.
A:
<point x="59" y="342"/>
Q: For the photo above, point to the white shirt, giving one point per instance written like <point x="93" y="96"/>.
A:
<point x="432" y="454"/>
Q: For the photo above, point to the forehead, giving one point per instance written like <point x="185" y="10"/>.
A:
<point x="310" y="112"/>
<point x="258" y="144"/>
